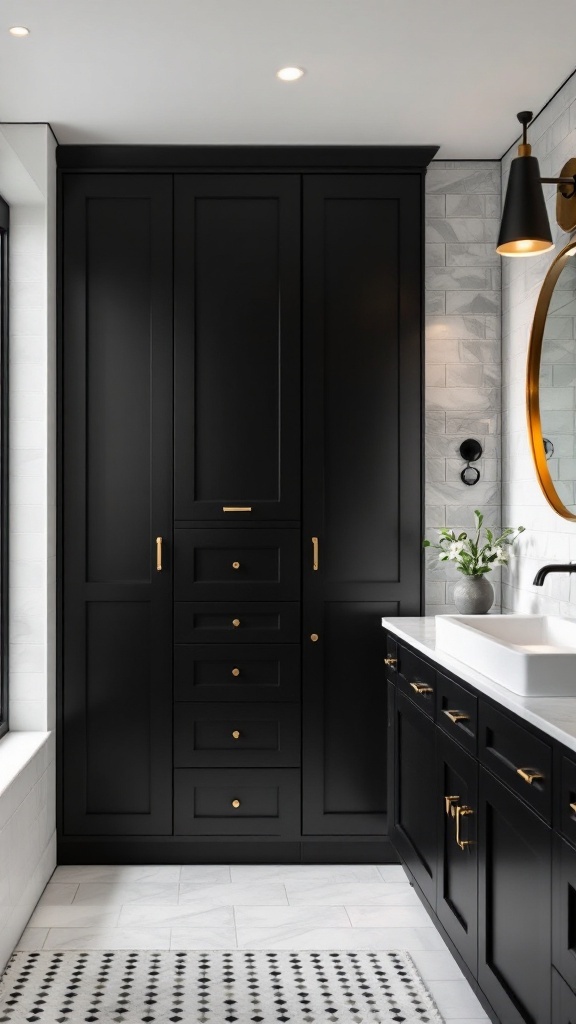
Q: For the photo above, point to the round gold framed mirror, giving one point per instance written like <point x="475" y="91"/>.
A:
<point x="551" y="384"/>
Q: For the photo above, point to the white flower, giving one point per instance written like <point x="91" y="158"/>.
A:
<point x="454" y="549"/>
<point x="501" y="556"/>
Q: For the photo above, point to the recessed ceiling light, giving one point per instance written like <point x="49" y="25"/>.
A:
<point x="19" y="30"/>
<point x="290" y="74"/>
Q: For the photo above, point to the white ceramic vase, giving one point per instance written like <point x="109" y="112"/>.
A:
<point x="473" y="595"/>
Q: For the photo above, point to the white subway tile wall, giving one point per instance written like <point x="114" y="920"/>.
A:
<point x="463" y="355"/>
<point x="548" y="537"/>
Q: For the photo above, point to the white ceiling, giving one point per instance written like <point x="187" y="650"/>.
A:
<point x="451" y="72"/>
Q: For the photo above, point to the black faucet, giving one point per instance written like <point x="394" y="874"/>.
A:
<point x="543" y="572"/>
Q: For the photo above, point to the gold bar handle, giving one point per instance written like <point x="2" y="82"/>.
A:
<point x="448" y="801"/>
<point x="462" y="812"/>
<point x="529" y="775"/>
<point x="237" y="508"/>
<point x="421" y="688"/>
<point x="573" y="808"/>
<point x="158" y="554"/>
<point x="390" y="661"/>
<point x="456" y="716"/>
<point x="315" y="554"/>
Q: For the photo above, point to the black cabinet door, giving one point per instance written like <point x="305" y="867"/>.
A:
<point x="361" y="359"/>
<point x="457" y="811"/>
<point x="117" y="483"/>
<point x="564" y="911"/>
<point x="414" y="824"/>
<point x="237" y="347"/>
<point x="514" y="906"/>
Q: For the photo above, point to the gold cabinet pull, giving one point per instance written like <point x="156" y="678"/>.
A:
<point x="158" y="554"/>
<point x="462" y="812"/>
<point x="421" y="688"/>
<point x="448" y="801"/>
<point x="314" y="637"/>
<point x="237" y="508"/>
<point x="573" y="808"/>
<point x="235" y="671"/>
<point x="235" y="623"/>
<point x="315" y="554"/>
<point x="529" y="775"/>
<point x="236" y="804"/>
<point x="235" y="565"/>
<point x="456" y="716"/>
<point x="236" y="734"/>
<point x="390" y="661"/>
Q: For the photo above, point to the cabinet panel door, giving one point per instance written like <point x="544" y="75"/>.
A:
<point x="415" y="819"/>
<point x="514" y="907"/>
<point x="237" y="347"/>
<point x="361" y="373"/>
<point x="564" y="911"/>
<point x="117" y="472"/>
<point x="457" y="895"/>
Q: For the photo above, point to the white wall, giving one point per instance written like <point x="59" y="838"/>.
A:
<point x="549" y="538"/>
<point x="27" y="754"/>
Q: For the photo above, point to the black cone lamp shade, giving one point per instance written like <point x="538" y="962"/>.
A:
<point x="525" y="228"/>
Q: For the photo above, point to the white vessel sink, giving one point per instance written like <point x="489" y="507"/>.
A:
<point x="533" y="655"/>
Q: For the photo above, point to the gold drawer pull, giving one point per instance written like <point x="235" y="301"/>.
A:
<point x="421" y="688"/>
<point x="235" y="623"/>
<point x="529" y="775"/>
<point x="158" y="554"/>
<point x="235" y="565"/>
<point x="235" y="671"/>
<point x="456" y="716"/>
<point x="448" y="801"/>
<point x="573" y="808"/>
<point x="236" y="804"/>
<point x="236" y="735"/>
<point x="315" y="554"/>
<point x="390" y="661"/>
<point x="237" y="508"/>
<point x="462" y="812"/>
<point x="314" y="637"/>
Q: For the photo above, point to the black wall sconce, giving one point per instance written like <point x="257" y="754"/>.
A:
<point x="525" y="228"/>
<point x="470" y="450"/>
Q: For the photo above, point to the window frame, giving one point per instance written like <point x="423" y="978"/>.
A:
<point x="4" y="244"/>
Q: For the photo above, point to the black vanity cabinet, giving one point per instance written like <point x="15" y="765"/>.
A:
<point x="241" y="378"/>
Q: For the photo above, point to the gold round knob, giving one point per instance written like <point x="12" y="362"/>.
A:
<point x="314" y="637"/>
<point x="236" y="735"/>
<point x="235" y="623"/>
<point x="235" y="671"/>
<point x="235" y="565"/>
<point x="236" y="803"/>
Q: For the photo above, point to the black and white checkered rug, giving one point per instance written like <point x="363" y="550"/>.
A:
<point x="234" y="987"/>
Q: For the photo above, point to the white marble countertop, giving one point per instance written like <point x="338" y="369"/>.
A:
<point x="555" y="716"/>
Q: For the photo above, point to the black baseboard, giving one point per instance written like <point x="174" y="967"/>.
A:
<point x="210" y="851"/>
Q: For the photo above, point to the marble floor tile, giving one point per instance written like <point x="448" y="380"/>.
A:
<point x="108" y="938"/>
<point x="392" y="873"/>
<point x="75" y="916"/>
<point x="32" y="939"/>
<point x="112" y="873"/>
<point x="456" y="999"/>
<point x="203" y="938"/>
<point x="437" y="965"/>
<point x="235" y="894"/>
<point x="192" y="915"/>
<point x="388" y="917"/>
<point x="335" y="894"/>
<point x="146" y="893"/>
<point x="339" y="938"/>
<point x="58" y="894"/>
<point x="282" y="917"/>
<point x="207" y="874"/>
<point x="305" y="873"/>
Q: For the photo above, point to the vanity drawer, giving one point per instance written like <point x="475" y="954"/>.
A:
<point x="237" y="735"/>
<point x="207" y="672"/>
<point x="417" y="680"/>
<point x="457" y="712"/>
<point x="567" y="822"/>
<point x="237" y="802"/>
<point x="238" y="622"/>
<point x="244" y="565"/>
<point x="520" y="759"/>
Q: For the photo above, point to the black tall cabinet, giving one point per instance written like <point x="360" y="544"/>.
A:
<point x="240" y="495"/>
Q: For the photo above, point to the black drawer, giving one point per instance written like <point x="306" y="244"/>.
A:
<point x="230" y="565"/>
<point x="563" y="1001"/>
<point x="457" y="712"/>
<point x="237" y="735"/>
<point x="237" y="802"/>
<point x="521" y="760"/>
<point x="238" y="623"/>
<point x="567" y="823"/>
<point x="207" y="672"/>
<point x="391" y="659"/>
<point x="417" y="680"/>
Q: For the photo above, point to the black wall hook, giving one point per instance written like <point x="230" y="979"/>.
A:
<point x="470" y="450"/>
